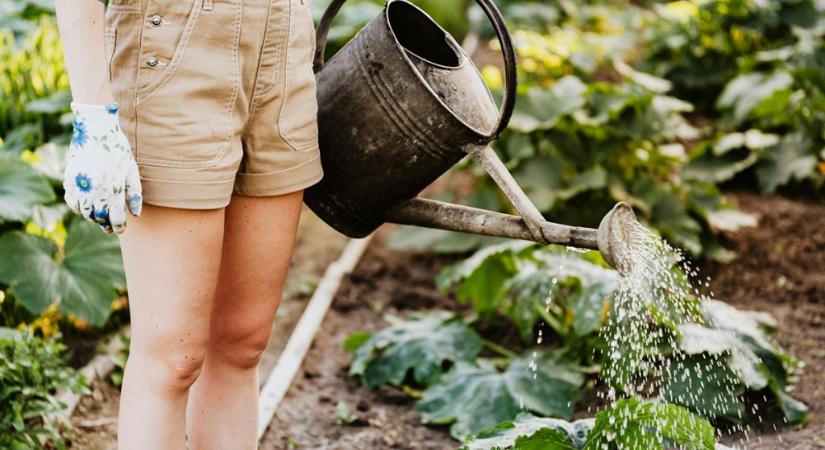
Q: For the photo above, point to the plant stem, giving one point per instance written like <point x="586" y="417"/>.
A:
<point x="500" y="350"/>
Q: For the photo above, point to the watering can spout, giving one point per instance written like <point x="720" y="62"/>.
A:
<point x="611" y="239"/>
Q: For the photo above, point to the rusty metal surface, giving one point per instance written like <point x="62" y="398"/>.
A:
<point x="447" y="216"/>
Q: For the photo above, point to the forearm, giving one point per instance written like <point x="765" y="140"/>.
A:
<point x="81" y="24"/>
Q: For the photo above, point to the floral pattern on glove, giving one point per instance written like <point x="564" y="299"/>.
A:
<point x="101" y="179"/>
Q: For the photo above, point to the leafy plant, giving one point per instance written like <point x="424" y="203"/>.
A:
<point x="34" y="88"/>
<point x="475" y="396"/>
<point x="21" y="189"/>
<point x="120" y="359"/>
<point x="82" y="276"/>
<point x="528" y="285"/>
<point x="736" y="354"/>
<point x="753" y="65"/>
<point x="421" y="346"/>
<point x="630" y="423"/>
<point x="31" y="372"/>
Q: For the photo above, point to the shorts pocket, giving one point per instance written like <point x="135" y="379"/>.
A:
<point x="298" y="119"/>
<point x="186" y="120"/>
<point x="167" y="29"/>
<point x="122" y="36"/>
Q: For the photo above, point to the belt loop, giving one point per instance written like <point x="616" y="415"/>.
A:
<point x="207" y="5"/>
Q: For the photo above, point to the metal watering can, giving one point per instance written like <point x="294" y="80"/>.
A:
<point x="399" y="105"/>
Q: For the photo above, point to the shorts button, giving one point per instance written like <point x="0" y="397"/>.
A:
<point x="151" y="61"/>
<point x="156" y="20"/>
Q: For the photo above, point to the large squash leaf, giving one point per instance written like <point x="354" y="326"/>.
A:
<point x="481" y="277"/>
<point x="628" y="424"/>
<point x="733" y="352"/>
<point x="420" y="345"/>
<point x="632" y="423"/>
<point x="528" y="430"/>
<point x="540" y="109"/>
<point x="81" y="278"/>
<point x="530" y="283"/>
<point x="791" y="160"/>
<point x="716" y="393"/>
<point x="473" y="397"/>
<point x="21" y="188"/>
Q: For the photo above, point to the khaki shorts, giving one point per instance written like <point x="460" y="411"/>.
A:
<point x="217" y="97"/>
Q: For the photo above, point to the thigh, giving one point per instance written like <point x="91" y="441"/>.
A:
<point x="259" y="237"/>
<point x="172" y="261"/>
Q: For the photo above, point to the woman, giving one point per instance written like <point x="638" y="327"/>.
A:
<point x="199" y="118"/>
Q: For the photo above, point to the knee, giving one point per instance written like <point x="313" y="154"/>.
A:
<point x="172" y="370"/>
<point x="241" y="345"/>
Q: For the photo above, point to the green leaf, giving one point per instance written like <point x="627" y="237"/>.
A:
<point x="646" y="80"/>
<point x="21" y="188"/>
<point x="82" y="279"/>
<point x="473" y="397"/>
<point x="745" y="92"/>
<point x="58" y="102"/>
<point x="718" y="169"/>
<point x="50" y="160"/>
<point x="732" y="351"/>
<point x="540" y="109"/>
<point x="420" y="345"/>
<point x="483" y="275"/>
<point x="716" y="393"/>
<point x="790" y="160"/>
<point x="632" y="423"/>
<point x="344" y="415"/>
<point x="355" y="340"/>
<point x="529" y="432"/>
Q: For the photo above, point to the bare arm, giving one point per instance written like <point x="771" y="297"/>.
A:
<point x="81" y="26"/>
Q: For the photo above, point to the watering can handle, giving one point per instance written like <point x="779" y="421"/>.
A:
<point x="499" y="25"/>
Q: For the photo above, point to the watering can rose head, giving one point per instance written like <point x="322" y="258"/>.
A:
<point x="616" y="235"/>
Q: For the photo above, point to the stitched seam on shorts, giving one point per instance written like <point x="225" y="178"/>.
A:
<point x="183" y="44"/>
<point x="286" y="79"/>
<point x="283" y="44"/>
<point x="160" y="180"/>
<point x="236" y="79"/>
<point x="129" y="9"/>
<point x="254" y="101"/>
<point x="258" y="92"/>
<point x="135" y="79"/>
<point x="276" y="172"/>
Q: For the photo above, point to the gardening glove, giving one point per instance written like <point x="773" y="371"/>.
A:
<point x="101" y="176"/>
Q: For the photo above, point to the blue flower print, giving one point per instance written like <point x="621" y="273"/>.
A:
<point x="79" y="136"/>
<point x="83" y="182"/>
<point x="112" y="108"/>
<point x="135" y="202"/>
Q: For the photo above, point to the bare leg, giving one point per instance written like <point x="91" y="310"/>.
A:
<point x="172" y="259"/>
<point x="258" y="242"/>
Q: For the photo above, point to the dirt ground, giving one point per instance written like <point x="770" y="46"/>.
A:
<point x="780" y="270"/>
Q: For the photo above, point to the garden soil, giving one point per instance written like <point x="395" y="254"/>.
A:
<point x="780" y="270"/>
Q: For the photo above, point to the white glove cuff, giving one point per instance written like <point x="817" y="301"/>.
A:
<point x="96" y="112"/>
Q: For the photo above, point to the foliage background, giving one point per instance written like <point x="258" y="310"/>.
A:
<point x="663" y="105"/>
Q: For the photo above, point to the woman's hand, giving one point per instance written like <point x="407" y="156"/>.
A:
<point x="101" y="176"/>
